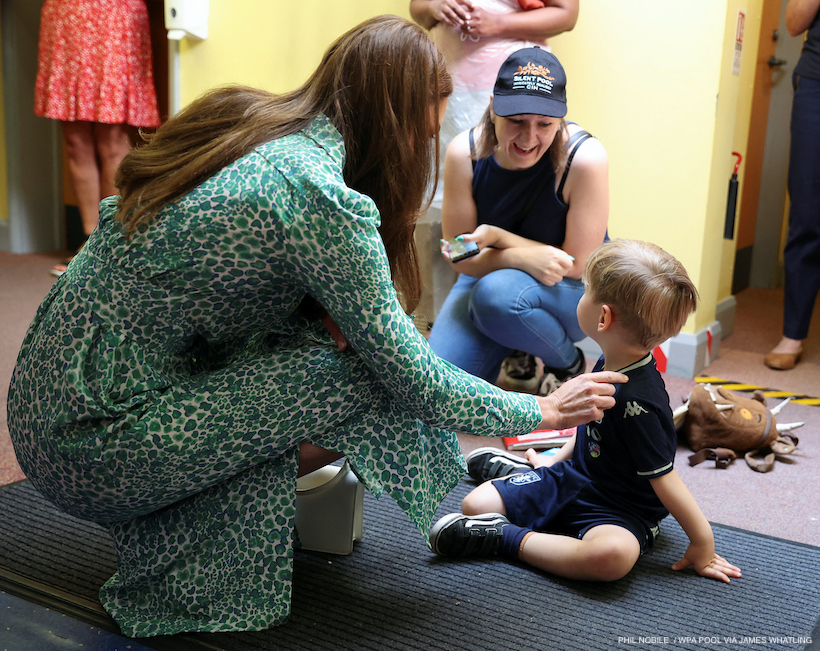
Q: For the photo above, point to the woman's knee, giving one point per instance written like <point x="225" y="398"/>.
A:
<point x="79" y="140"/>
<point x="496" y="295"/>
<point x="112" y="141"/>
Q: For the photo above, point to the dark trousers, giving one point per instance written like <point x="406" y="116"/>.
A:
<point x="802" y="252"/>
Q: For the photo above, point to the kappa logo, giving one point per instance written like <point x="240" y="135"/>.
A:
<point x="634" y="409"/>
<point x="526" y="478"/>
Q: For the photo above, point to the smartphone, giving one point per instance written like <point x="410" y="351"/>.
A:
<point x="462" y="250"/>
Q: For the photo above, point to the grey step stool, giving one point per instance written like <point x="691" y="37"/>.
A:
<point x="329" y="507"/>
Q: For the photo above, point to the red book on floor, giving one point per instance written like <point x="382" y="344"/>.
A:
<point x="540" y="439"/>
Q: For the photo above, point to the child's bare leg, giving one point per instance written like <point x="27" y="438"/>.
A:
<point x="483" y="499"/>
<point x="605" y="553"/>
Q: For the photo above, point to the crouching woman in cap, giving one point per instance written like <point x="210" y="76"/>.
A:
<point x="531" y="190"/>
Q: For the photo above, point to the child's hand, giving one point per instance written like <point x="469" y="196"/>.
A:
<point x="715" y="567"/>
<point x="537" y="460"/>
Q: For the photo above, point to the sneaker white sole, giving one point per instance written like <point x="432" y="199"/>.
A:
<point x="447" y="520"/>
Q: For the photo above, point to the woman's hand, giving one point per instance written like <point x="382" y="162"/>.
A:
<point x="487" y="236"/>
<point x="480" y="23"/>
<point x="454" y="13"/>
<point x="547" y="264"/>
<point x="580" y="400"/>
<point x="484" y="236"/>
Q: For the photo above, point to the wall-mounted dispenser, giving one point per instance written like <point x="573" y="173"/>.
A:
<point x="186" y="18"/>
<point x="183" y="19"/>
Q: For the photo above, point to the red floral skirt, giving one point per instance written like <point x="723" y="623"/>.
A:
<point x="94" y="63"/>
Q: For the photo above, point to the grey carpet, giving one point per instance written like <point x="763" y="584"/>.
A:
<point x="393" y="593"/>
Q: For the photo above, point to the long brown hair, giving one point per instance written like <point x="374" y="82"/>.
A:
<point x="380" y="84"/>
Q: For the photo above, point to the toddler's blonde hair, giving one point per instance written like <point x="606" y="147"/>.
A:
<point x="648" y="290"/>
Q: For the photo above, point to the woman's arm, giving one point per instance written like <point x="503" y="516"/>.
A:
<point x="556" y="17"/>
<point x="458" y="210"/>
<point x="677" y="499"/>
<point x="800" y="14"/>
<point x="586" y="192"/>
<point x="428" y="13"/>
<point x="502" y="249"/>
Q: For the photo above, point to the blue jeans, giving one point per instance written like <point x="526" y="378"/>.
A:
<point x="484" y="319"/>
<point x="802" y="252"/>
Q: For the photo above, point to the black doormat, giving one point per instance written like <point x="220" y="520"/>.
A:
<point x="393" y="593"/>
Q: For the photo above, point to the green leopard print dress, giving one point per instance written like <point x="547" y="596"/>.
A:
<point x="168" y="380"/>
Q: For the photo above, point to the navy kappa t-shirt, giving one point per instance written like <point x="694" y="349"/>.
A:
<point x="634" y="442"/>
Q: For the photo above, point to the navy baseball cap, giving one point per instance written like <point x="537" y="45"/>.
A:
<point x="531" y="80"/>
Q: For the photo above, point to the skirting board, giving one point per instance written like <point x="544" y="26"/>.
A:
<point x="725" y="314"/>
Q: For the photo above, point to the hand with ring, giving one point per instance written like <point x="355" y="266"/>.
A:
<point x="451" y="12"/>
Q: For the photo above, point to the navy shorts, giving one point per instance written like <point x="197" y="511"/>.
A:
<point x="559" y="500"/>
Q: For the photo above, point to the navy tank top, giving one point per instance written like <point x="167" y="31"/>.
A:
<point x="501" y="195"/>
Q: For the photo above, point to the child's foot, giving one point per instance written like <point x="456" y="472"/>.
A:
<point x="484" y="464"/>
<point x="467" y="535"/>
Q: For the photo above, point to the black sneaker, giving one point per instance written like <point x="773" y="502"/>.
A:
<point x="484" y="464"/>
<point x="467" y="535"/>
<point x="519" y="371"/>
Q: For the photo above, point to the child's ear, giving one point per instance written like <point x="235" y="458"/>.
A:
<point x="606" y="318"/>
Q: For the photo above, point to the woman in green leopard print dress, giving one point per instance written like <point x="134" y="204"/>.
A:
<point x="170" y="386"/>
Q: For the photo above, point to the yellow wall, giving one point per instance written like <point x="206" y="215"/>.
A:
<point x="657" y="89"/>
<point x="652" y="80"/>
<point x="273" y="45"/>
<point x="751" y="39"/>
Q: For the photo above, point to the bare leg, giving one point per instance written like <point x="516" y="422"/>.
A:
<point x="605" y="553"/>
<point x="789" y="346"/>
<point x="84" y="170"/>
<point x="483" y="499"/>
<point x="112" y="144"/>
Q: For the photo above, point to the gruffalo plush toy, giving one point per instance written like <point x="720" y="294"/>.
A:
<point x="719" y="425"/>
